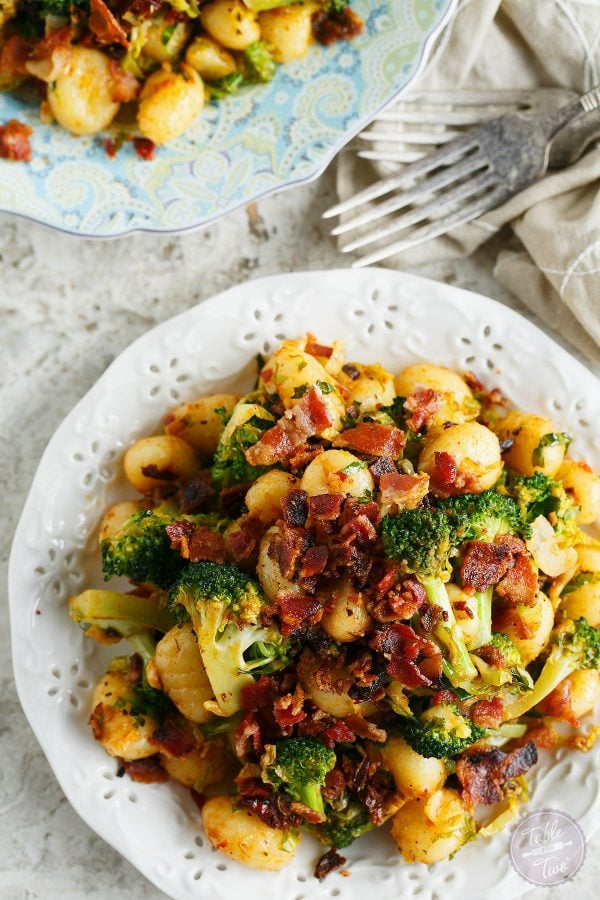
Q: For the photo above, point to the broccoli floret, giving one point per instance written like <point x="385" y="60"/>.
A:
<point x="299" y="766"/>
<point x="109" y="617"/>
<point x="421" y="540"/>
<point x="482" y="517"/>
<point x="225" y="86"/>
<point x="259" y="64"/>
<point x="575" y="645"/>
<point x="143" y="700"/>
<point x="141" y="551"/>
<point x="441" y="731"/>
<point x="510" y="670"/>
<point x="538" y="495"/>
<point x="345" y="826"/>
<point x="246" y="426"/>
<point x="224" y="605"/>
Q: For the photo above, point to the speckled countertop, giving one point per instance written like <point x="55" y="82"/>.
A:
<point x="67" y="308"/>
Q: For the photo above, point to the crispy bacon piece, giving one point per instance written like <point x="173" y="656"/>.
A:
<point x="444" y="478"/>
<point x="294" y="508"/>
<point x="382" y="465"/>
<point x="339" y="26"/>
<point x="105" y="27"/>
<point x="197" y="495"/>
<point x="288" y="709"/>
<point x="481" y="772"/>
<point x="126" y="87"/>
<point x="399" y="602"/>
<point x="325" y="506"/>
<point x="13" y="56"/>
<point x="365" y="729"/>
<point x="488" y="713"/>
<point x="558" y="704"/>
<point x="274" y="809"/>
<point x="257" y="695"/>
<point x="296" y="610"/>
<point x="145" y="771"/>
<point x="493" y="656"/>
<point x="544" y="736"/>
<point x="290" y="549"/>
<point x="314" y="561"/>
<point x="312" y="816"/>
<point x="372" y="439"/>
<point x="144" y="147"/>
<point x="339" y="732"/>
<point x="423" y="404"/>
<point x="173" y="737"/>
<point x="405" y="491"/>
<point x="196" y="543"/>
<point x="303" y="456"/>
<point x="414" y="660"/>
<point x="243" y="539"/>
<point x="330" y="861"/>
<point x="520" y="584"/>
<point x="484" y="564"/>
<point x="307" y="418"/>
<point x="248" y="737"/>
<point x="14" y="141"/>
<point x="315" y="349"/>
<point x="334" y="784"/>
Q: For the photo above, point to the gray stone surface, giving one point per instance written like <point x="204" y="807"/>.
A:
<point x="67" y="308"/>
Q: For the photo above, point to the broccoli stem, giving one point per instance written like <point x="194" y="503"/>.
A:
<point x="459" y="666"/>
<point x="558" y="666"/>
<point x="310" y="795"/>
<point x="124" y="614"/>
<point x="143" y="644"/>
<point x="484" y="613"/>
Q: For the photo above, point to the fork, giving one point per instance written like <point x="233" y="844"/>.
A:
<point x="455" y="184"/>
<point x="425" y="119"/>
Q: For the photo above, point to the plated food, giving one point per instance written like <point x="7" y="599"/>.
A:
<point x="90" y="56"/>
<point x="359" y="596"/>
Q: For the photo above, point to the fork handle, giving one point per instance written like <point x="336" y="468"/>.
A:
<point x="554" y="121"/>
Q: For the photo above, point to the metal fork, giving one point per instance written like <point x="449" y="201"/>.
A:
<point x="459" y="182"/>
<point x="423" y="120"/>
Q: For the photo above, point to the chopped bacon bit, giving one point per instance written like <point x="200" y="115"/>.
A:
<point x="302" y="457"/>
<point x="314" y="561"/>
<point x="314" y="349"/>
<point x="243" y="538"/>
<point x="13" y="56"/>
<point x="365" y="729"/>
<point x="339" y="26"/>
<point x="382" y="465"/>
<point x="431" y="616"/>
<point x="558" y="704"/>
<point x="135" y="670"/>
<point x="296" y="610"/>
<point x="445" y="475"/>
<point x="484" y="564"/>
<point x="405" y="491"/>
<point x="231" y="500"/>
<point x="145" y="771"/>
<point x="443" y="696"/>
<point x="400" y="602"/>
<point x="256" y="695"/>
<point x="329" y="862"/>
<point x="307" y="418"/>
<point x="414" y="660"/>
<point x="144" y="147"/>
<point x="104" y="26"/>
<point x="372" y="439"/>
<point x="493" y="656"/>
<point x="110" y="147"/>
<point x="274" y="809"/>
<point x="312" y="816"/>
<point x="325" y="506"/>
<point x="248" y="738"/>
<point x="520" y="584"/>
<point x="207" y="545"/>
<point x="288" y="710"/>
<point x="14" y="141"/>
<point x="295" y="508"/>
<point x="334" y="784"/>
<point x="544" y="736"/>
<point x="180" y="533"/>
<point x="423" y="404"/>
<point x="290" y="549"/>
<point x="197" y="495"/>
<point x="488" y="713"/>
<point x="473" y="381"/>
<point x="126" y="87"/>
<point x="352" y="371"/>
<point x="339" y="732"/>
<point x="481" y="772"/>
<point x="173" y="738"/>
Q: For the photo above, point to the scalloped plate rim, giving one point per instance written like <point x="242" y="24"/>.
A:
<point x="327" y="158"/>
<point x="463" y="299"/>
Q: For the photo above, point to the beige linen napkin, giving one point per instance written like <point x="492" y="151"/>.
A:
<point x="553" y="261"/>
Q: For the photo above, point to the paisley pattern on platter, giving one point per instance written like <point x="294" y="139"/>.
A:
<point x="381" y="315"/>
<point x="264" y="138"/>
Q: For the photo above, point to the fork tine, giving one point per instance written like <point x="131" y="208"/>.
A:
<point x="442" y="116"/>
<point x="520" y="97"/>
<point x="410" y="137"/>
<point x="439" y="204"/>
<point x="407" y="156"/>
<point x="444" y="156"/>
<point x="434" y="229"/>
<point x="424" y="188"/>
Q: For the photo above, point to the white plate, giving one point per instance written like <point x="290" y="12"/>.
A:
<point x="384" y="316"/>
